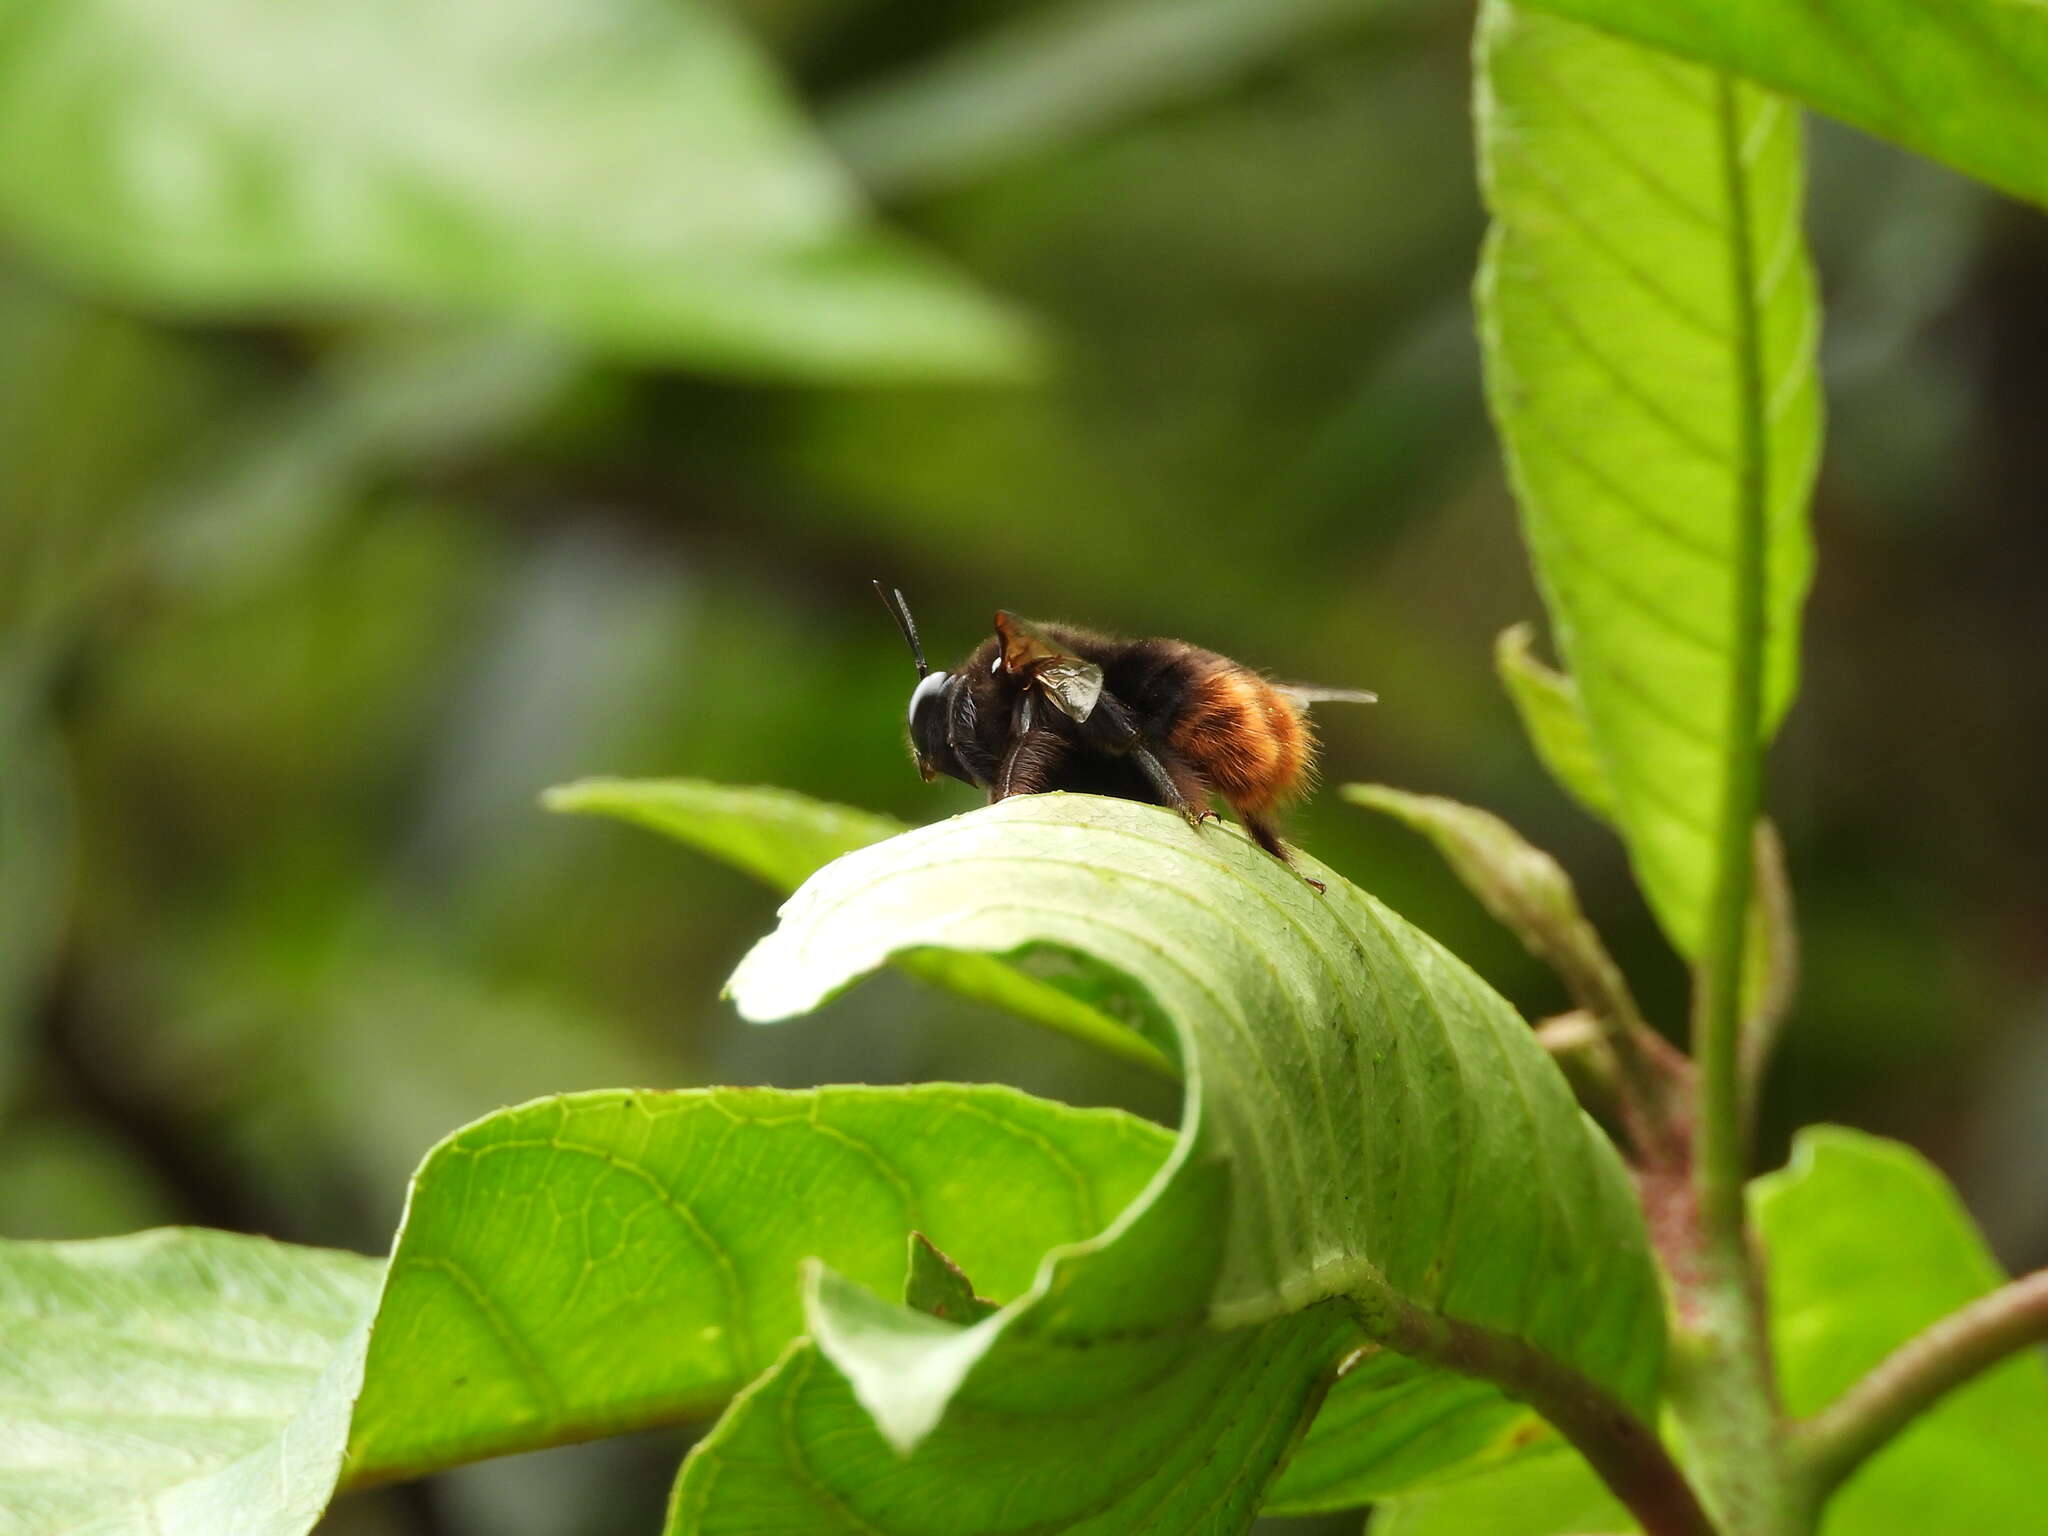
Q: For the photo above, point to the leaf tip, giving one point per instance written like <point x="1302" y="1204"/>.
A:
<point x="1514" y="643"/>
<point x="576" y="796"/>
<point x="904" y="1367"/>
<point x="1376" y="797"/>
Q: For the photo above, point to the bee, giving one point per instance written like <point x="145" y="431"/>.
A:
<point x="1039" y="707"/>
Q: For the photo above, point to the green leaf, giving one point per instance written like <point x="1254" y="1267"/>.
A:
<point x="1366" y="1122"/>
<point x="575" y="1267"/>
<point x="1649" y="324"/>
<point x="175" y="1383"/>
<point x="1868" y="1245"/>
<point x="629" y="173"/>
<point x="1295" y="1005"/>
<point x="778" y="837"/>
<point x="1965" y="81"/>
<point x="782" y="838"/>
<point x="1548" y="703"/>
<point x="602" y="1262"/>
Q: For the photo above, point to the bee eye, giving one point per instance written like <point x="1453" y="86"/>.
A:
<point x="927" y="693"/>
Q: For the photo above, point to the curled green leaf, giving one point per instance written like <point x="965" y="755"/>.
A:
<point x="1367" y="1126"/>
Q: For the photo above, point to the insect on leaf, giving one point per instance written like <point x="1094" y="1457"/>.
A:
<point x="1374" y="1135"/>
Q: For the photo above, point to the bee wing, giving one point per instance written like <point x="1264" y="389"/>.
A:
<point x="1071" y="684"/>
<point x="1023" y="645"/>
<point x="1307" y="693"/>
<point x="1074" y="686"/>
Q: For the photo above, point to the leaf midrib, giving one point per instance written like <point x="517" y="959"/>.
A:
<point x="1719" y="988"/>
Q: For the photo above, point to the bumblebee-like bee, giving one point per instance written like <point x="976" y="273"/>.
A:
<point x="1039" y="707"/>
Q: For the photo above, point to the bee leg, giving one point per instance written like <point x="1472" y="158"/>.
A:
<point x="1180" y="787"/>
<point x="1027" y="768"/>
<point x="1263" y="833"/>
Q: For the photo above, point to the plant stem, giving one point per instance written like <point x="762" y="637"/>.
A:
<point x="1618" y="1444"/>
<point x="1651" y="1076"/>
<point x="1835" y="1442"/>
<point x="1724" y="1396"/>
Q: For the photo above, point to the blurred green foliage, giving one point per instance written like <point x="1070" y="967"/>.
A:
<point x="306" y="590"/>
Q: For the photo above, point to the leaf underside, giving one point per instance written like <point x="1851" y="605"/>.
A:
<point x="1649" y="325"/>
<point x="1965" y="81"/>
<point x="175" y="1383"/>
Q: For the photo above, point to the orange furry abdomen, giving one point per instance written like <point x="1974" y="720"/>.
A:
<point x="1247" y="738"/>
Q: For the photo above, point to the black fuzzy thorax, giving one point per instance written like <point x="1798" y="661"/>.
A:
<point x="1155" y="679"/>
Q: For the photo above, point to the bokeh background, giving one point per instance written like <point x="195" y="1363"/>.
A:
<point x="303" y="602"/>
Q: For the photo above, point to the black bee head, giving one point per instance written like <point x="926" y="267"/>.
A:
<point x="930" y="704"/>
<point x="932" y="701"/>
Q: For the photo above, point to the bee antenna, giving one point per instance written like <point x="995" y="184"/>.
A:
<point x="892" y="599"/>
